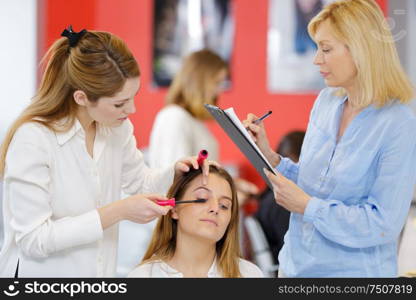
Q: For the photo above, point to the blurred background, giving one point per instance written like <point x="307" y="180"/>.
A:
<point x="264" y="41"/>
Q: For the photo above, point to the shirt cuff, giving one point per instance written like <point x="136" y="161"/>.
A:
<point x="283" y="164"/>
<point x="311" y="209"/>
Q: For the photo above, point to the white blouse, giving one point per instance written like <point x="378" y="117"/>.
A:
<point x="160" y="269"/>
<point x="177" y="134"/>
<point x="52" y="189"/>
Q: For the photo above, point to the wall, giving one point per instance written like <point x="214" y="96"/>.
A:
<point x="18" y="26"/>
<point x="132" y="21"/>
<point x="18" y="31"/>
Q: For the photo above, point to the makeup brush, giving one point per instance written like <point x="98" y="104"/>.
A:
<point x="172" y="202"/>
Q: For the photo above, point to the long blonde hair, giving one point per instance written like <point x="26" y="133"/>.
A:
<point x="192" y="86"/>
<point x="98" y="65"/>
<point x="163" y="242"/>
<point x="361" y="26"/>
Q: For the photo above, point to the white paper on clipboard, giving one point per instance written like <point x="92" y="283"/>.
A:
<point x="232" y="115"/>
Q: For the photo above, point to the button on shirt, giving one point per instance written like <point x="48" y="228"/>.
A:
<point x="361" y="189"/>
<point x="160" y="269"/>
<point x="52" y="189"/>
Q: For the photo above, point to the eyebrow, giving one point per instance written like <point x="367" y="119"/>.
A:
<point x="127" y="99"/>
<point x="204" y="188"/>
<point x="324" y="41"/>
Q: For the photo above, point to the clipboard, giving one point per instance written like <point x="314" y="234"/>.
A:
<point x="244" y="143"/>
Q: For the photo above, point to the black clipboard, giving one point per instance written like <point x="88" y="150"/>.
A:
<point x="241" y="141"/>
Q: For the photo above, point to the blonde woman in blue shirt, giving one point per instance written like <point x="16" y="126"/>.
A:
<point x="351" y="190"/>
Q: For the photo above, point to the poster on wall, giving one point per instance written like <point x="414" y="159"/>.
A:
<point x="183" y="26"/>
<point x="290" y="50"/>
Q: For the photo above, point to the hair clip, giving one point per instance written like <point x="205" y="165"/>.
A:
<point x="73" y="36"/>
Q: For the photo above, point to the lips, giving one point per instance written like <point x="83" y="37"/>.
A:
<point x="122" y="119"/>
<point x="209" y="221"/>
<point x="324" y="74"/>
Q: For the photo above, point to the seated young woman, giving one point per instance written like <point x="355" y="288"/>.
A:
<point x="198" y="239"/>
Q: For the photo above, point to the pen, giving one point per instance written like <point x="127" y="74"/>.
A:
<point x="263" y="117"/>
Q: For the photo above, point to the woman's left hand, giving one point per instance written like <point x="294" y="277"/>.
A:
<point x="287" y="193"/>
<point x="183" y="166"/>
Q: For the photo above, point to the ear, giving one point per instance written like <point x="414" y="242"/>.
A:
<point x="80" y="98"/>
<point x="174" y="213"/>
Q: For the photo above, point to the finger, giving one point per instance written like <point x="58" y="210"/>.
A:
<point x="155" y="197"/>
<point x="183" y="167"/>
<point x="251" y="117"/>
<point x="194" y="161"/>
<point x="254" y="128"/>
<point x="273" y="178"/>
<point x="158" y="210"/>
<point x="205" y="172"/>
<point x="166" y="209"/>
<point x="214" y="163"/>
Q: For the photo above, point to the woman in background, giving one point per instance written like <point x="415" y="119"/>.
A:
<point x="179" y="129"/>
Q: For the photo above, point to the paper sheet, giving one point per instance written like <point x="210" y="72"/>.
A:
<point x="231" y="113"/>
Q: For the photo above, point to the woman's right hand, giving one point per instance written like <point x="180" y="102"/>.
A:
<point x="258" y="133"/>
<point x="137" y="208"/>
<point x="143" y="208"/>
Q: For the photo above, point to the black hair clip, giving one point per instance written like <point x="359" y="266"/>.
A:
<point x="73" y="36"/>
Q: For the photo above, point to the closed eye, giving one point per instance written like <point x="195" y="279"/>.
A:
<point x="224" y="207"/>
<point x="119" y="105"/>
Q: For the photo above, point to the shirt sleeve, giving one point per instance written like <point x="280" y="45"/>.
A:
<point x="378" y="219"/>
<point x="137" y="177"/>
<point x="170" y="138"/>
<point x="27" y="184"/>
<point x="288" y="168"/>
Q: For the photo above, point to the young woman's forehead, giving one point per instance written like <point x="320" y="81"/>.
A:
<point x="216" y="183"/>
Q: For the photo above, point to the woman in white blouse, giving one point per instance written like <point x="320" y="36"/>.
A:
<point x="66" y="159"/>
<point x="198" y="239"/>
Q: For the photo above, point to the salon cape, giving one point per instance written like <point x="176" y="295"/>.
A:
<point x="52" y="189"/>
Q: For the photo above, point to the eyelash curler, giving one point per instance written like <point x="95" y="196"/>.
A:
<point x="172" y="202"/>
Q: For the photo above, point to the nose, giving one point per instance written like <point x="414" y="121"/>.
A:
<point x="130" y="108"/>
<point x="318" y="59"/>
<point x="213" y="205"/>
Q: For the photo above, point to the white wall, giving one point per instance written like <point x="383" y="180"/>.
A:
<point x="411" y="45"/>
<point x="18" y="29"/>
<point x="403" y="12"/>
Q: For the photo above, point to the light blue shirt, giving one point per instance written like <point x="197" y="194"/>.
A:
<point x="361" y="189"/>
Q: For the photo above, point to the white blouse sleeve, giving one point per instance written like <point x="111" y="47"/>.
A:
<point x="27" y="183"/>
<point x="138" y="178"/>
<point x="170" y="139"/>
